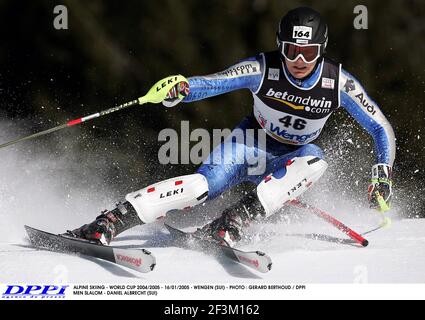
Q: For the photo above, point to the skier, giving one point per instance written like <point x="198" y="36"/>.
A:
<point x="295" y="90"/>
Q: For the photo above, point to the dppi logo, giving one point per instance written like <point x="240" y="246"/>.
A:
<point x="34" y="291"/>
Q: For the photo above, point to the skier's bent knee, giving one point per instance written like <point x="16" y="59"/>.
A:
<point x="145" y="206"/>
<point x="271" y="194"/>
<point x="155" y="201"/>
<point x="289" y="182"/>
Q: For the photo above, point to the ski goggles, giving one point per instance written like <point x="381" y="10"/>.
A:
<point x="308" y="52"/>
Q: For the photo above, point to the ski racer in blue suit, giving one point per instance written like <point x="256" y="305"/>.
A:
<point x="295" y="90"/>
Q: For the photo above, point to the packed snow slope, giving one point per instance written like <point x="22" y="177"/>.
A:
<point x="55" y="189"/>
<point x="394" y="255"/>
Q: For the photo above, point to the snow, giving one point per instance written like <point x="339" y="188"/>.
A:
<point x="394" y="255"/>
<point x="54" y="192"/>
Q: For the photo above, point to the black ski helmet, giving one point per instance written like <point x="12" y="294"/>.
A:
<point x="303" y="25"/>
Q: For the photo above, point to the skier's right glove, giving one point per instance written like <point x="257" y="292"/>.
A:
<point x="380" y="188"/>
<point x="176" y="94"/>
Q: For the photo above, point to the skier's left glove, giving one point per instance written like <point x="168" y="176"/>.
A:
<point x="381" y="183"/>
<point x="176" y="94"/>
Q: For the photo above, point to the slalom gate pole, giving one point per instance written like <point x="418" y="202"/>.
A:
<point x="326" y="216"/>
<point x="156" y="94"/>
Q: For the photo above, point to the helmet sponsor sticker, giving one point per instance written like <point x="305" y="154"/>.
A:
<point x="301" y="41"/>
<point x="302" y="32"/>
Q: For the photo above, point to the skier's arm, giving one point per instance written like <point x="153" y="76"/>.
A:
<point x="246" y="74"/>
<point x="367" y="113"/>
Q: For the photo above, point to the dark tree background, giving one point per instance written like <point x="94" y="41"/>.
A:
<point x="114" y="51"/>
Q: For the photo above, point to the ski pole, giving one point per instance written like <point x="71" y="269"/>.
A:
<point x="156" y="94"/>
<point x="326" y="216"/>
<point x="386" y="221"/>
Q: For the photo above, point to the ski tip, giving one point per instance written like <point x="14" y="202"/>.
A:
<point x="365" y="243"/>
<point x="146" y="251"/>
<point x="30" y="233"/>
<point x="152" y="266"/>
<point x="261" y="254"/>
<point x="169" y="228"/>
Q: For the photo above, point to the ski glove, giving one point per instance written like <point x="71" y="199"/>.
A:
<point x="176" y="94"/>
<point x="381" y="183"/>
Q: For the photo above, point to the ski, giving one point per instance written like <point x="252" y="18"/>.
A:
<point x="139" y="260"/>
<point x="256" y="260"/>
